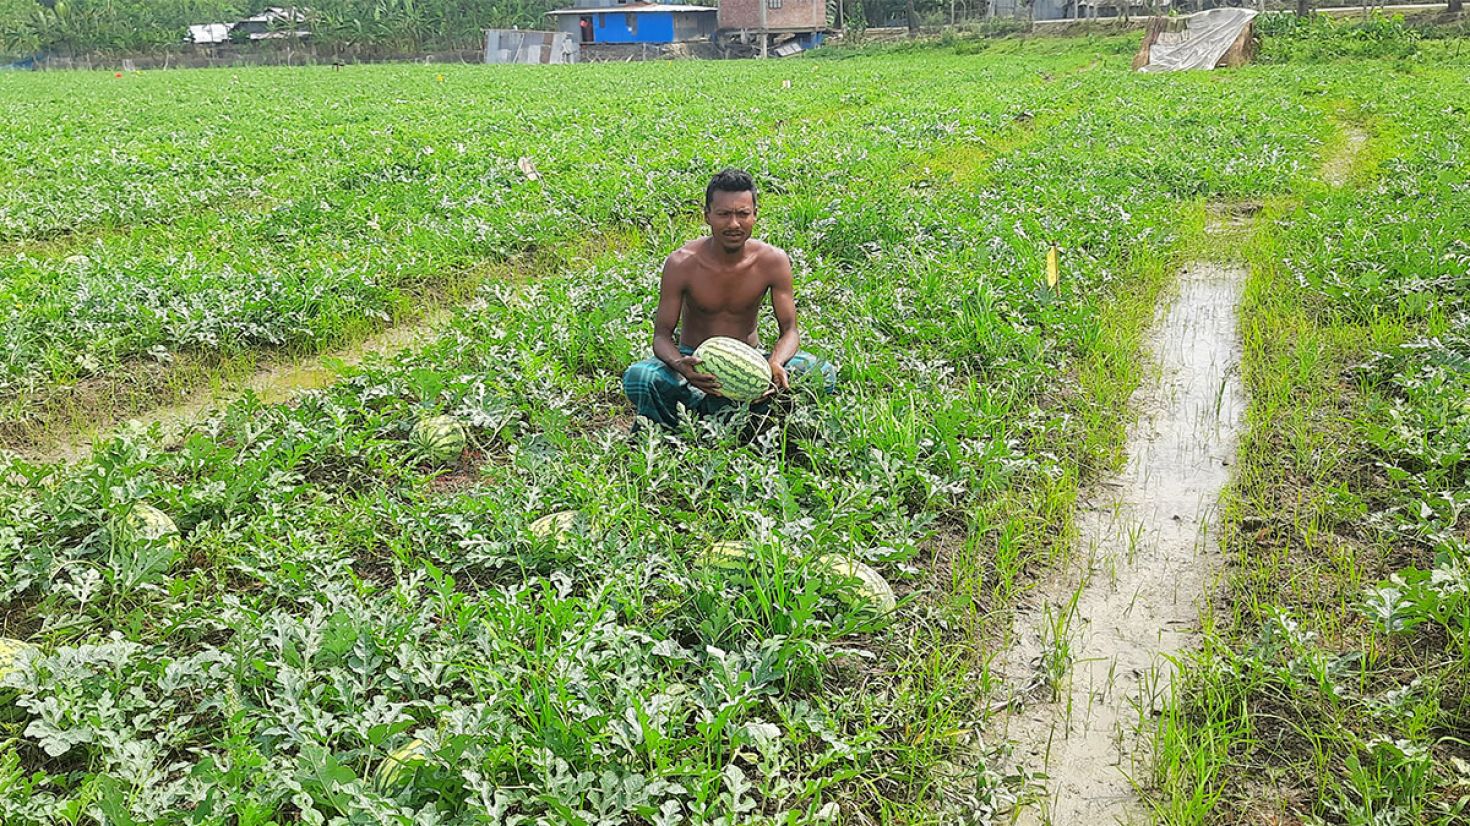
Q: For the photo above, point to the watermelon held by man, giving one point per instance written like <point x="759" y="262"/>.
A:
<point x="707" y="354"/>
<point x="743" y="373"/>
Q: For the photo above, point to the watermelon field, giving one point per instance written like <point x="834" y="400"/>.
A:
<point x="311" y="611"/>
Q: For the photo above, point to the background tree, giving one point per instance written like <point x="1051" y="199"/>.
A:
<point x="16" y="39"/>
<point x="122" y="27"/>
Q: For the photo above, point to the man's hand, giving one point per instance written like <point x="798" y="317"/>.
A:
<point x="780" y="382"/>
<point x="686" y="367"/>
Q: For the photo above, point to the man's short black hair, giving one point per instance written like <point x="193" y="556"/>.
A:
<point x="729" y="179"/>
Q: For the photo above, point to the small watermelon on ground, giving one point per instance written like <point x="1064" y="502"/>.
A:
<point x="725" y="555"/>
<point x="146" y="523"/>
<point x="401" y="764"/>
<point x="867" y="585"/>
<point x="743" y="372"/>
<point x="440" y="438"/>
<point x="557" y="524"/>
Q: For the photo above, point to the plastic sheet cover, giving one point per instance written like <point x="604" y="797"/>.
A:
<point x="1204" y="40"/>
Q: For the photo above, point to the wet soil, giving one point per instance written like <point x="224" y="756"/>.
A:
<point x="273" y="383"/>
<point x="1093" y="644"/>
<point x="1340" y="166"/>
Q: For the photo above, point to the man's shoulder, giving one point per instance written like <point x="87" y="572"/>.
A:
<point x="770" y="255"/>
<point x="766" y="250"/>
<point x="689" y="252"/>
<point x="681" y="259"/>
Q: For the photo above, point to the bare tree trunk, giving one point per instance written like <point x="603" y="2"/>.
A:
<point x="913" y="19"/>
<point x="1303" y="8"/>
<point x="1456" y="6"/>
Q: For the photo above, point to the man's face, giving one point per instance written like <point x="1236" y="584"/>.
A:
<point x="731" y="216"/>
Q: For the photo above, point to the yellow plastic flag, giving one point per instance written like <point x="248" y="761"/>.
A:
<point x="1052" y="275"/>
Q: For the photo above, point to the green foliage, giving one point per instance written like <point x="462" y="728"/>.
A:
<point x="1335" y="689"/>
<point x="16" y="37"/>
<point x="112" y="27"/>
<point x="1287" y="38"/>
<point x="108" y="26"/>
<point x="413" y="25"/>
<point x="331" y="598"/>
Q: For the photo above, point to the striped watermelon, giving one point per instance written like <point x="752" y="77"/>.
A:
<point x="867" y="586"/>
<point x="743" y="372"/>
<point x="401" y="764"/>
<point x="440" y="438"/>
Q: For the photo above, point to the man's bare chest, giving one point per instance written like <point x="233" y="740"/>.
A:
<point x="715" y="297"/>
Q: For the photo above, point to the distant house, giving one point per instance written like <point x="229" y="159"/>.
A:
<point x="1040" y="9"/>
<point x="636" y="22"/>
<point x="209" y="34"/>
<point x="274" y="23"/>
<point x="766" y="27"/>
<point x="778" y="16"/>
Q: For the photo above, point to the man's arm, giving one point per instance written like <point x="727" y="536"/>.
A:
<point x="783" y="303"/>
<point x="666" y="318"/>
<point x="670" y="306"/>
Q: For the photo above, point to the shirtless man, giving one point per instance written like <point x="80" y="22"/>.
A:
<point x="715" y="285"/>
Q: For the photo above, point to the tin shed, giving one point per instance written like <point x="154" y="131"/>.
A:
<point x="636" y="23"/>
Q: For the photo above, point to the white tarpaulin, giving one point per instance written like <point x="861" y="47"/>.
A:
<point x="1203" y="40"/>
<point x="518" y="46"/>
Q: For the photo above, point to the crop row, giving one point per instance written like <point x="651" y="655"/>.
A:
<point x="196" y="232"/>
<point x="1336" y="686"/>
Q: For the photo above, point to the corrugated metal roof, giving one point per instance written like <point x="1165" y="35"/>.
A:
<point x="209" y="33"/>
<point x="631" y="8"/>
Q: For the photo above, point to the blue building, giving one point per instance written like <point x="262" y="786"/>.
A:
<point x="608" y="21"/>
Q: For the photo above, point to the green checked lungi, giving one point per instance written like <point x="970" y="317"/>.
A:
<point x="658" y="392"/>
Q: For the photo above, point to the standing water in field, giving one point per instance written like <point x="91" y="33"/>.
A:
<point x="1095" y="649"/>
<point x="272" y="384"/>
